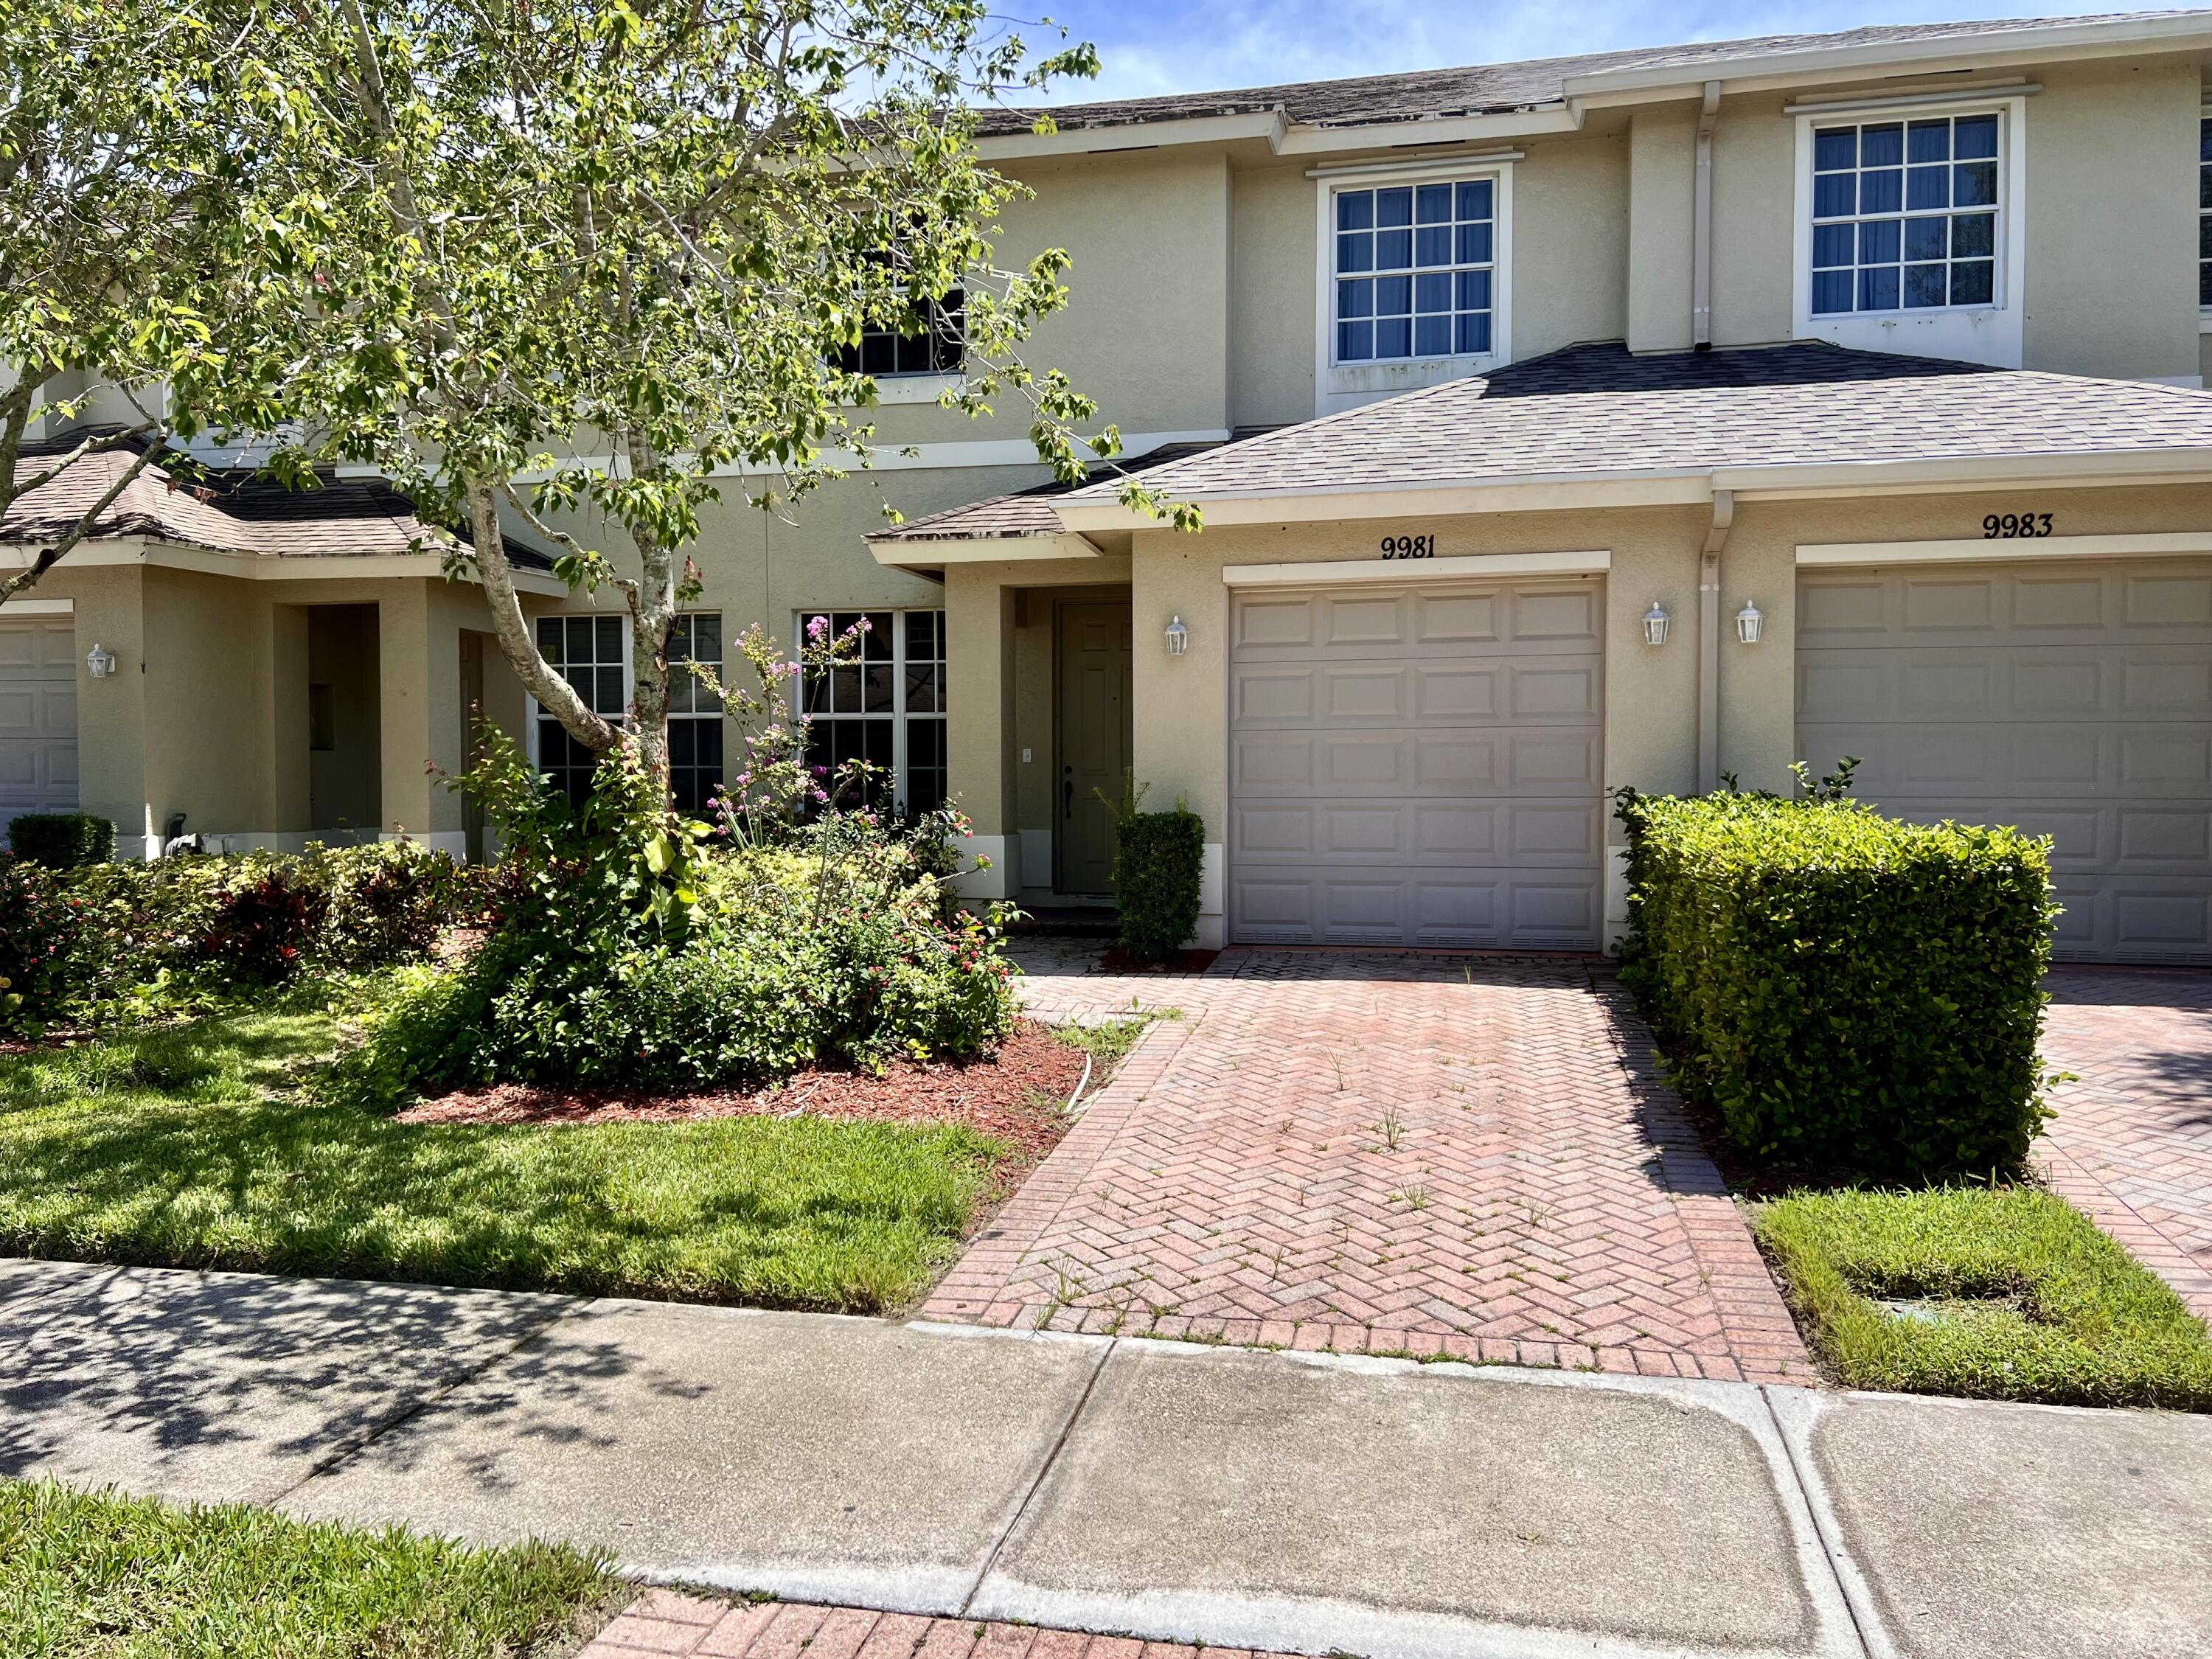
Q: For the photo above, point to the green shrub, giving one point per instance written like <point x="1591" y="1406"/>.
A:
<point x="388" y="902"/>
<point x="61" y="840"/>
<point x="1157" y="859"/>
<point x="41" y="960"/>
<point x="1849" y="990"/>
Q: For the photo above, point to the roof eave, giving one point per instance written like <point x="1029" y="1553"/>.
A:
<point x="1653" y="487"/>
<point x="906" y="552"/>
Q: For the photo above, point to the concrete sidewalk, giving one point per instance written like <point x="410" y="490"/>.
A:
<point x="1245" y="1499"/>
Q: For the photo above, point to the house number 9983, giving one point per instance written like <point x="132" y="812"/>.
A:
<point x="1409" y="547"/>
<point x="2012" y="526"/>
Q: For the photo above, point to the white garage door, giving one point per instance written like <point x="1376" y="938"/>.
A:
<point x="1419" y="765"/>
<point x="38" y="715"/>
<point x="2074" y="700"/>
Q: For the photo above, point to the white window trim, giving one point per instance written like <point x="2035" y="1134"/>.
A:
<point x="1346" y="386"/>
<point x="900" y="715"/>
<point x="1994" y="334"/>
<point x="539" y="710"/>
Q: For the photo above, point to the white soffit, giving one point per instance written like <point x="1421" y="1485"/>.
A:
<point x="898" y="552"/>
<point x="2174" y="544"/>
<point x="1330" y="572"/>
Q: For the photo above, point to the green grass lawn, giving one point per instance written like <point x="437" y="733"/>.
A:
<point x="202" y="1145"/>
<point x="2009" y="1293"/>
<point x="121" y="1578"/>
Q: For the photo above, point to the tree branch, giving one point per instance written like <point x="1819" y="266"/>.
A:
<point x="51" y="555"/>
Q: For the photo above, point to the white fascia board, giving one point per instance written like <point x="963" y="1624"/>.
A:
<point x="272" y="567"/>
<point x="903" y="552"/>
<point x="1266" y="126"/>
<point x="1775" y="71"/>
<point x="2159" y="545"/>
<point x="1815" y="479"/>
<point x="1321" y="572"/>
<point x="1282" y="136"/>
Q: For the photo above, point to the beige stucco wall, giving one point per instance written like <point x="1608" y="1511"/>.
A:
<point x="1273" y="268"/>
<point x="1571" y="227"/>
<point x="1754" y="209"/>
<point x="1662" y="157"/>
<point x="2111" y="260"/>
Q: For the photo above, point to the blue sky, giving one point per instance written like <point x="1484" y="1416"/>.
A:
<point x="1191" y="45"/>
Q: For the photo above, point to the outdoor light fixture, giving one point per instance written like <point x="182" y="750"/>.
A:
<point x="1655" y="624"/>
<point x="101" y="661"/>
<point x="1748" y="621"/>
<point x="1178" y="637"/>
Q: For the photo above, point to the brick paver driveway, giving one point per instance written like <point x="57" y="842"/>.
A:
<point x="2132" y="1141"/>
<point x="1382" y="1153"/>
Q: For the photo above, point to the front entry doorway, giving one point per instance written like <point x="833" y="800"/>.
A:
<point x="1095" y="742"/>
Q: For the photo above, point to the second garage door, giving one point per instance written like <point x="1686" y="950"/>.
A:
<point x="2072" y="700"/>
<point x="38" y="716"/>
<point x="1417" y="765"/>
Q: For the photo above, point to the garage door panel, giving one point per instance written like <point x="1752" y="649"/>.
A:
<point x="38" y="718"/>
<point x="1418" y="767"/>
<point x="2074" y="702"/>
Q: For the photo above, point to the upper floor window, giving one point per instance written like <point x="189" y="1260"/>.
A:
<point x="933" y="344"/>
<point x="2204" y="214"/>
<point x="1416" y="271"/>
<point x="1904" y="215"/>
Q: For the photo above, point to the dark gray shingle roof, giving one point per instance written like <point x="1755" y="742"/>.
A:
<point x="1597" y="410"/>
<point x="1487" y="88"/>
<point x="1025" y="511"/>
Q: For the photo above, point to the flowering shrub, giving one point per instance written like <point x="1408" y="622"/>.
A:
<point x="41" y="931"/>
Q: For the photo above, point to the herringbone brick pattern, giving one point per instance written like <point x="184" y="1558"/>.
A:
<point x="1385" y="1154"/>
<point x="670" y="1625"/>
<point x="2132" y="1141"/>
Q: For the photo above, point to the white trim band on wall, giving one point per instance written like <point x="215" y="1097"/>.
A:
<point x="38" y="608"/>
<point x="1394" y="572"/>
<point x="2174" y="544"/>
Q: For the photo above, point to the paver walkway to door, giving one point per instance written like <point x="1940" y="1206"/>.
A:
<point x="1382" y="1153"/>
<point x="2132" y="1140"/>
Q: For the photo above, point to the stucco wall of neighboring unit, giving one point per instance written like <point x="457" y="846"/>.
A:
<point x="1571" y="223"/>
<point x="1754" y="195"/>
<point x="111" y="713"/>
<point x="2111" y="267"/>
<point x="1662" y="156"/>
<point x="208" y="663"/>
<point x="1273" y="270"/>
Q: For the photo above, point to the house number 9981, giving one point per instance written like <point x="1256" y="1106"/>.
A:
<point x="1409" y="547"/>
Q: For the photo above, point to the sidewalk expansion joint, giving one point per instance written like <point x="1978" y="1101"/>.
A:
<point x="1044" y="1468"/>
<point x="351" y="1446"/>
<point x="1850" y="1581"/>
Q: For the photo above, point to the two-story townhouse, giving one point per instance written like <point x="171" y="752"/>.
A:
<point x="1646" y="418"/>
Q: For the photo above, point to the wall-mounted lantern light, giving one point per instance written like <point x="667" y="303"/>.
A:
<point x="1178" y="637"/>
<point x="1655" y="624"/>
<point x="1748" y="621"/>
<point x="100" y="662"/>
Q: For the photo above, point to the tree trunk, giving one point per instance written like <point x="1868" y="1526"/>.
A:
<point x="511" y="629"/>
<point x="652" y="614"/>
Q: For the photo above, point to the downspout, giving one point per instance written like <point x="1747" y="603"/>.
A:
<point x="1709" y="642"/>
<point x="1701" y="225"/>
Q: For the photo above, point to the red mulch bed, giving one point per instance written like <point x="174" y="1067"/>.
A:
<point x="1015" y="1096"/>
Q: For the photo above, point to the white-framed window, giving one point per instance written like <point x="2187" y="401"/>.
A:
<point x="1904" y="214"/>
<point x="2204" y="213"/>
<point x="1413" y="278"/>
<point x="1415" y="270"/>
<point x="694" y="713"/>
<point x="1910" y="229"/>
<point x="593" y="654"/>
<point x="934" y="344"/>
<point x="886" y="704"/>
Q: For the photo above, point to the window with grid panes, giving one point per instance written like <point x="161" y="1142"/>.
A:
<point x="587" y="652"/>
<point x="694" y="713"/>
<point x="2204" y="213"/>
<point x="934" y="344"/>
<point x="1904" y="215"/>
<point x="885" y="705"/>
<point x="1415" y="270"/>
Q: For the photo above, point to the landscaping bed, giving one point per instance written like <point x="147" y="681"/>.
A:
<point x="1989" y="1293"/>
<point x="96" y="1573"/>
<point x="211" y="1144"/>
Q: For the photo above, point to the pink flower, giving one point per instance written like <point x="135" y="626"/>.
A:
<point x="817" y="627"/>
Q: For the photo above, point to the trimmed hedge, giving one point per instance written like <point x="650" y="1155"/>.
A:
<point x="1851" y="992"/>
<point x="61" y="840"/>
<point x="1158" y="858"/>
